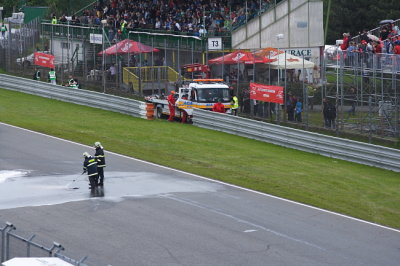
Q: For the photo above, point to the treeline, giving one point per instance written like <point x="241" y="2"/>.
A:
<point x="355" y="15"/>
<point x="58" y="7"/>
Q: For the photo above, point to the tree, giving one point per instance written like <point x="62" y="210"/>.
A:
<point x="353" y="16"/>
<point x="57" y="7"/>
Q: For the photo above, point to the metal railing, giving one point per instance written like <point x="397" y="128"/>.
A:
<point x="154" y="73"/>
<point x="367" y="82"/>
<point x="13" y="245"/>
<point x="77" y="96"/>
<point x="375" y="31"/>
<point x="137" y="77"/>
<point x="265" y="6"/>
<point x="130" y="79"/>
<point x="80" y="11"/>
<point x="156" y="38"/>
<point x="349" y="150"/>
<point x="344" y="149"/>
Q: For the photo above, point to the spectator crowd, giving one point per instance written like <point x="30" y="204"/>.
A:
<point x="196" y="18"/>
<point x="388" y="42"/>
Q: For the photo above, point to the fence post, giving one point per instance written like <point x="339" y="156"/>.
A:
<point x="28" y="246"/>
<point x="6" y="243"/>
<point x="52" y="252"/>
<point x="369" y="119"/>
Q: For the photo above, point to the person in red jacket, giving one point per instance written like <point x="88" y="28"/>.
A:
<point x="377" y="46"/>
<point x="171" y="105"/>
<point x="345" y="44"/>
<point x="219" y="107"/>
<point x="396" y="52"/>
<point x="396" y="49"/>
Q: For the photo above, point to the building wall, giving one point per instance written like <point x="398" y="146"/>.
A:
<point x="59" y="48"/>
<point x="291" y="24"/>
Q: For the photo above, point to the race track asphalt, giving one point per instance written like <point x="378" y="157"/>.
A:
<point x="153" y="215"/>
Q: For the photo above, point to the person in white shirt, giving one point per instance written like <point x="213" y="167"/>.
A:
<point x="158" y="24"/>
<point x="178" y="26"/>
<point x="113" y="72"/>
<point x="202" y="31"/>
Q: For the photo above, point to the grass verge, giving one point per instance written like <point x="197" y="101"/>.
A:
<point x="360" y="191"/>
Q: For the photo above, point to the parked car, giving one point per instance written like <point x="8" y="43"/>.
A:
<point x="29" y="59"/>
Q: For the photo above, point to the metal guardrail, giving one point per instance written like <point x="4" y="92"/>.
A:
<point x="344" y="149"/>
<point x="13" y="245"/>
<point x="77" y="96"/>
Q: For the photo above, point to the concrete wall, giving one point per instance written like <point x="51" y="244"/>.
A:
<point x="298" y="23"/>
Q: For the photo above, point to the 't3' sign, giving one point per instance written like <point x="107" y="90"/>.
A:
<point x="215" y="43"/>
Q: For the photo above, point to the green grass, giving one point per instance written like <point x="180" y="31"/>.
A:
<point x="360" y="191"/>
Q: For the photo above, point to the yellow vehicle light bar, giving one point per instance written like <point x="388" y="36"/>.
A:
<point x="201" y="80"/>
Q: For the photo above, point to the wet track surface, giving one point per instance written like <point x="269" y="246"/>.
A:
<point x="20" y="188"/>
<point x="151" y="215"/>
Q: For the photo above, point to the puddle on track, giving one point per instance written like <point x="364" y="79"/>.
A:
<point x="20" y="188"/>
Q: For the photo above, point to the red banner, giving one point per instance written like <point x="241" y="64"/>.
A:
<point x="266" y="93"/>
<point x="45" y="60"/>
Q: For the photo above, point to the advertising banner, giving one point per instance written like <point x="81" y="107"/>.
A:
<point x="96" y="38"/>
<point x="45" y="60"/>
<point x="266" y="93"/>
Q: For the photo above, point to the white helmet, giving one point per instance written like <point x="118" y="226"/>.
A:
<point x="97" y="144"/>
<point x="86" y="154"/>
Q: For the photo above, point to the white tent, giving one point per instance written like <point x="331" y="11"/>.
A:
<point x="292" y="62"/>
<point x="282" y="60"/>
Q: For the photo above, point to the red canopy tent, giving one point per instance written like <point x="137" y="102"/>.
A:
<point x="239" y="57"/>
<point x="128" y="46"/>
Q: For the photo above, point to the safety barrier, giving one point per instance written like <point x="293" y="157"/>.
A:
<point x="77" y="96"/>
<point x="344" y="149"/>
<point x="13" y="245"/>
<point x="147" y="111"/>
<point x="349" y="150"/>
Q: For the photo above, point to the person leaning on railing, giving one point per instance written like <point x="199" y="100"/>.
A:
<point x="54" y="20"/>
<point x="396" y="52"/>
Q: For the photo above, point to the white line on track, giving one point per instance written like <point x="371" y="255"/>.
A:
<point x="239" y="220"/>
<point x="216" y="181"/>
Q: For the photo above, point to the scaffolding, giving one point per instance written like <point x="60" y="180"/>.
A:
<point x="365" y="90"/>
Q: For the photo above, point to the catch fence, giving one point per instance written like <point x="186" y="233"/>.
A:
<point x="363" y="87"/>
